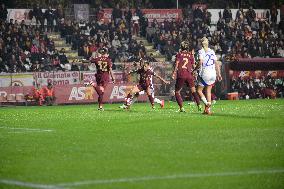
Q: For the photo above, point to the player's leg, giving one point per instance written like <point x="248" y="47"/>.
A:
<point x="100" y="90"/>
<point x="208" y="97"/>
<point x="191" y="85"/>
<point x="200" y="92"/>
<point x="178" y="87"/>
<point x="156" y="100"/>
<point x="124" y="106"/>
<point x="130" y="95"/>
<point x="151" y="99"/>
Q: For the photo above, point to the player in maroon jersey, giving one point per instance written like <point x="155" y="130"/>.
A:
<point x="146" y="74"/>
<point x="184" y="74"/>
<point x="104" y="69"/>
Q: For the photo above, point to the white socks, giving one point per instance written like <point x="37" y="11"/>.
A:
<point x="204" y="100"/>
<point x="156" y="100"/>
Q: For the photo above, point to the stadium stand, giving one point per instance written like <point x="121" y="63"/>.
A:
<point x="54" y="42"/>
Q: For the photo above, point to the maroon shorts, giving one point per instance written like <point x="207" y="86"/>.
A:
<point x="189" y="81"/>
<point x="102" y="79"/>
<point x="142" y="87"/>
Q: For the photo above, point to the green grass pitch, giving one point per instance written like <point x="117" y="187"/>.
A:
<point x="240" y="146"/>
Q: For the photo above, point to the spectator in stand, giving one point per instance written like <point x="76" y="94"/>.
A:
<point x="3" y="12"/>
<point x="250" y="15"/>
<point x="117" y="14"/>
<point x="135" y="21"/>
<point x="240" y="15"/>
<point x="227" y="14"/>
<point x="128" y="16"/>
<point x="37" y="13"/>
<point x="273" y="13"/>
<point x="49" y="16"/>
<point x="62" y="57"/>
<point x="198" y="15"/>
<point x="56" y="64"/>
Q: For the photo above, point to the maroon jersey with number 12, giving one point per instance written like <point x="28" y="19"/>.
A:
<point x="103" y="65"/>
<point x="185" y="61"/>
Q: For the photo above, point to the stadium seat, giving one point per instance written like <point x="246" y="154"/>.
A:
<point x="233" y="96"/>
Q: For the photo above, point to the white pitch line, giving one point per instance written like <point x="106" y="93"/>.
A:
<point x="29" y="185"/>
<point x="26" y="129"/>
<point x="171" y="177"/>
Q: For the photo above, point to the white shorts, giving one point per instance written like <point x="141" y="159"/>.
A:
<point x="206" y="80"/>
<point x="152" y="92"/>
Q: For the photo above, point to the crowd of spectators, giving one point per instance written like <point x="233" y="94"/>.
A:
<point x="252" y="88"/>
<point x="26" y="47"/>
<point x="245" y="36"/>
<point x="116" y="35"/>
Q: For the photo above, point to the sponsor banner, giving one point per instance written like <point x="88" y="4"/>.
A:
<point x="255" y="74"/>
<point x="159" y="14"/>
<point x="76" y="94"/>
<point x="90" y="76"/>
<point x="81" y="12"/>
<point x="16" y="79"/>
<point x="81" y="94"/>
<point x="15" y="91"/>
<point x="18" y="14"/>
<point x="57" y="78"/>
<point x="162" y="14"/>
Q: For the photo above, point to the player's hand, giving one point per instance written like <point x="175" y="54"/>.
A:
<point x="167" y="82"/>
<point x="219" y="78"/>
<point x="173" y="76"/>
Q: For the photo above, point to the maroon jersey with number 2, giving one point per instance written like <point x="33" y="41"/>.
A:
<point x="185" y="60"/>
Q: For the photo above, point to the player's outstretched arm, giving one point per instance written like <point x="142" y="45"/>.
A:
<point x="166" y="82"/>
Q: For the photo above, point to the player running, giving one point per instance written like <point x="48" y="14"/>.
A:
<point x="209" y="69"/>
<point x="156" y="100"/>
<point x="104" y="69"/>
<point x="183" y="73"/>
<point x="146" y="74"/>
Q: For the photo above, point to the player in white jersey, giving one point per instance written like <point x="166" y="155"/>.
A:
<point x="156" y="100"/>
<point x="209" y="71"/>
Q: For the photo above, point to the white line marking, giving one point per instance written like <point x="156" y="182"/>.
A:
<point x="29" y="185"/>
<point x="26" y="129"/>
<point x="171" y="177"/>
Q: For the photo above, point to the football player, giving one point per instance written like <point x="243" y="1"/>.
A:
<point x="183" y="72"/>
<point x="145" y="84"/>
<point x="209" y="71"/>
<point x="104" y="70"/>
